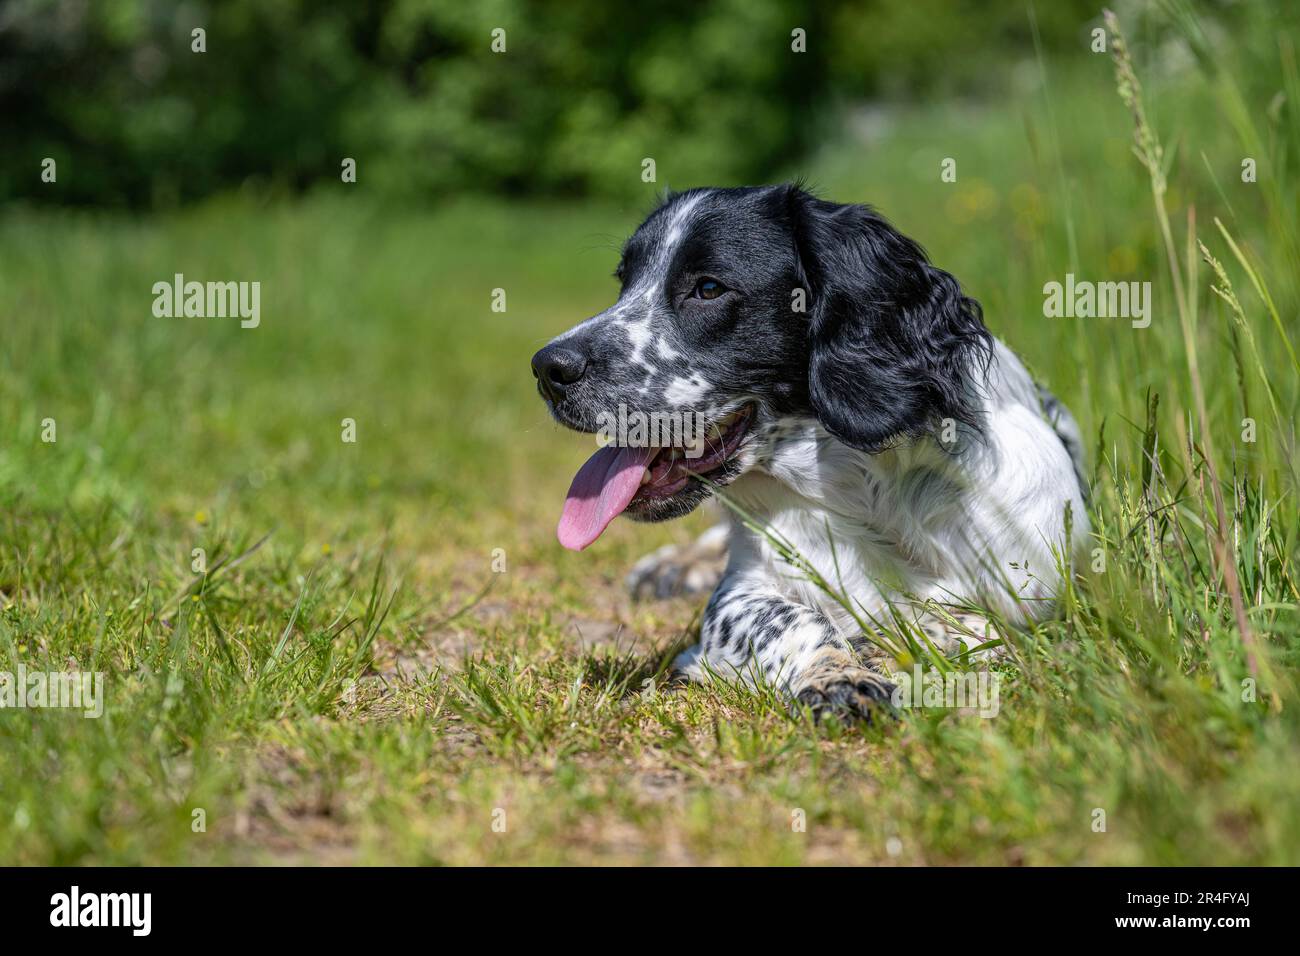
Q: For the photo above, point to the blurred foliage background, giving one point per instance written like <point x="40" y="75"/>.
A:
<point x="412" y="89"/>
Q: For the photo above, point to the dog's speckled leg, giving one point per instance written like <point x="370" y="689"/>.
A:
<point x="754" y="634"/>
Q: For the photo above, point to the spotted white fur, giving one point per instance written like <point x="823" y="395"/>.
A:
<point x="982" y="524"/>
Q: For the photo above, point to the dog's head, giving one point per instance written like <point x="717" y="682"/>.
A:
<point x="741" y="307"/>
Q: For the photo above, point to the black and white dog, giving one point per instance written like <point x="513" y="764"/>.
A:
<point x="859" y="410"/>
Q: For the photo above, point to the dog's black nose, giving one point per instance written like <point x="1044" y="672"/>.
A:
<point x="556" y="368"/>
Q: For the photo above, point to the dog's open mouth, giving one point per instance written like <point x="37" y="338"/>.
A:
<point x="619" y="477"/>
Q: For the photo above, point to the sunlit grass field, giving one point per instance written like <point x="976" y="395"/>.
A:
<point x="389" y="659"/>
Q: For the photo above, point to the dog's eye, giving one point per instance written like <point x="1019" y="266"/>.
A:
<point x="708" y="288"/>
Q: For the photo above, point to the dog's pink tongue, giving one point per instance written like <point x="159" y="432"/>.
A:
<point x="600" y="491"/>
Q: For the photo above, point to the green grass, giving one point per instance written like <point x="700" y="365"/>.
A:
<point x="351" y="682"/>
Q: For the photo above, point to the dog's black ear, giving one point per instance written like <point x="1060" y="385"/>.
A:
<point x="893" y="342"/>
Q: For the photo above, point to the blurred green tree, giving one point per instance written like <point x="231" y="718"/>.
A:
<point x="413" y="90"/>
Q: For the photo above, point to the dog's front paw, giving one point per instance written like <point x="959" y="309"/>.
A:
<point x="676" y="570"/>
<point x="854" y="693"/>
